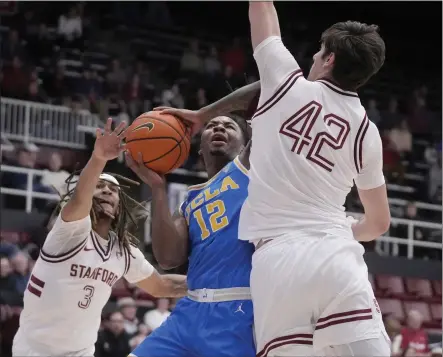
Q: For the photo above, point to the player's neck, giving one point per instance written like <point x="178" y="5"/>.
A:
<point x="215" y="165"/>
<point x="102" y="227"/>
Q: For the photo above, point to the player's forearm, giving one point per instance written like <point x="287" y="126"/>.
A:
<point x="169" y="245"/>
<point x="239" y="100"/>
<point x="174" y="285"/>
<point x="264" y="21"/>
<point x="79" y="206"/>
<point x="366" y="230"/>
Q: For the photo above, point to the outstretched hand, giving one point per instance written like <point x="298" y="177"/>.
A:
<point x="109" y="144"/>
<point x="193" y="118"/>
<point x="149" y="177"/>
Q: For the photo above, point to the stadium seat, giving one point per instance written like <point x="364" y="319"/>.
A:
<point x="419" y="287"/>
<point x="421" y="307"/>
<point x="391" y="286"/>
<point x="437" y="287"/>
<point x="372" y="281"/>
<point x="436" y="312"/>
<point x="392" y="307"/>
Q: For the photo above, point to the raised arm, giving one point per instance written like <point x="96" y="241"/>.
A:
<point x="169" y="232"/>
<point x="107" y="147"/>
<point x="241" y="99"/>
<point x="72" y="227"/>
<point x="264" y="21"/>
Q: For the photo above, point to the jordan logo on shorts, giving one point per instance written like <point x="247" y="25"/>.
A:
<point x="239" y="309"/>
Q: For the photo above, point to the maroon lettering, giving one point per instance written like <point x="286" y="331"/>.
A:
<point x="73" y="270"/>
<point x="99" y="271"/>
<point x="87" y="273"/>
<point x="114" y="280"/>
<point x="111" y="276"/>
<point x="299" y="127"/>
<point x="82" y="267"/>
<point x="105" y="275"/>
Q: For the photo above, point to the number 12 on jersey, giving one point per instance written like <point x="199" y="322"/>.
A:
<point x="299" y="127"/>
<point x="217" y="219"/>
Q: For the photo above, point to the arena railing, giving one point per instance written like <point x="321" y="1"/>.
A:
<point x="177" y="192"/>
<point x="44" y="123"/>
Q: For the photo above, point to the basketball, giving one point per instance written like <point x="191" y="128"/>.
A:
<point x="163" y="140"/>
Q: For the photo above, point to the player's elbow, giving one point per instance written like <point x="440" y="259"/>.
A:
<point x="381" y="224"/>
<point x="169" y="261"/>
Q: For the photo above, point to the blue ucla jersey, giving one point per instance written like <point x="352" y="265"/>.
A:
<point x="218" y="259"/>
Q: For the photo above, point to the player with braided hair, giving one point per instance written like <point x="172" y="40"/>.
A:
<point x="88" y="249"/>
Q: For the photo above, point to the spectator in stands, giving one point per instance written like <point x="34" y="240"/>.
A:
<point x="401" y="138"/>
<point x="435" y="181"/>
<point x="15" y="80"/>
<point x="392" y="165"/>
<point x="41" y="46"/>
<point x="26" y="158"/>
<point x="373" y="112"/>
<point x="413" y="340"/>
<point x="191" y="60"/>
<point x="143" y="72"/>
<point x="211" y="62"/>
<point x="197" y="99"/>
<point x="13" y="47"/>
<point x="113" y="341"/>
<point x="393" y="327"/>
<point x="54" y="177"/>
<point x="116" y="108"/>
<point x="70" y="29"/>
<point x="55" y="85"/>
<point x="27" y="25"/>
<point x="235" y="57"/>
<point x="419" y="118"/>
<point x="156" y="317"/>
<point x="172" y="97"/>
<point x="128" y="308"/>
<point x="8" y="249"/>
<point x="133" y="95"/>
<point x="9" y="293"/>
<point x="142" y="333"/>
<point x="20" y="264"/>
<point x="115" y="78"/>
<point x="35" y="93"/>
<point x="391" y="117"/>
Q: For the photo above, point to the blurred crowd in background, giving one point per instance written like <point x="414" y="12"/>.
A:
<point x="107" y="62"/>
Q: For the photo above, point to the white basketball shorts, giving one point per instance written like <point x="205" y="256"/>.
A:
<point x="23" y="348"/>
<point x="312" y="293"/>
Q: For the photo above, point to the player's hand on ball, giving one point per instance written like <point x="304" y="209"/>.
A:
<point x="109" y="144"/>
<point x="194" y="118"/>
<point x="149" y="177"/>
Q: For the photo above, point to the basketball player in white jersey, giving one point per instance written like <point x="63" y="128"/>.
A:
<point x="311" y="140"/>
<point x="86" y="252"/>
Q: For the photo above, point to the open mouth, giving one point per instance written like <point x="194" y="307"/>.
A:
<point x="106" y="204"/>
<point x="219" y="139"/>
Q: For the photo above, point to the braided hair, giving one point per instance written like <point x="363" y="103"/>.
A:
<point x="129" y="211"/>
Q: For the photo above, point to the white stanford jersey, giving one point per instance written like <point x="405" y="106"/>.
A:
<point x="310" y="141"/>
<point x="70" y="284"/>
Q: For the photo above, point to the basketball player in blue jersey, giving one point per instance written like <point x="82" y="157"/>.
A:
<point x="216" y="318"/>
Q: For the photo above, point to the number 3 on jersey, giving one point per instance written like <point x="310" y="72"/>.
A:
<point x="299" y="126"/>
<point x="89" y="293"/>
<point x="217" y="220"/>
